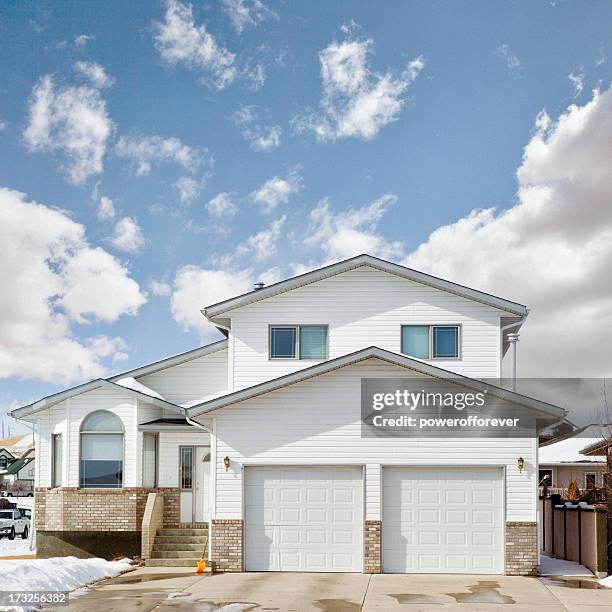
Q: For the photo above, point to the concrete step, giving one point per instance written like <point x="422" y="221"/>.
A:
<point x="193" y="562"/>
<point x="175" y="554"/>
<point x="181" y="539"/>
<point x="183" y="532"/>
<point x="180" y="546"/>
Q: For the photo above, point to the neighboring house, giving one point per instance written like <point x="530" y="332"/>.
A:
<point x="19" y="475"/>
<point x="259" y="436"/>
<point x="562" y="461"/>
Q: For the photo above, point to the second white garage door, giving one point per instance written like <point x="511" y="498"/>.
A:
<point x="303" y="519"/>
<point x="443" y="520"/>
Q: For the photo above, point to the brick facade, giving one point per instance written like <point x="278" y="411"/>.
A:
<point x="372" y="537"/>
<point x="521" y="549"/>
<point x="226" y="544"/>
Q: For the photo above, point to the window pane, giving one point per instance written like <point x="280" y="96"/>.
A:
<point x="313" y="342"/>
<point x="415" y="341"/>
<point x="102" y="421"/>
<point x="149" y="460"/>
<point x="101" y="460"/>
<point x="282" y="342"/>
<point x="57" y="461"/>
<point x="186" y="467"/>
<point x="446" y="342"/>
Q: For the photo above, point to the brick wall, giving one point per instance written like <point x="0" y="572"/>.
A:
<point x="226" y="545"/>
<point x="152" y="520"/>
<point x="371" y="547"/>
<point x="521" y="549"/>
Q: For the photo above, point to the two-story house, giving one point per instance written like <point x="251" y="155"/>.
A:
<point x="258" y="437"/>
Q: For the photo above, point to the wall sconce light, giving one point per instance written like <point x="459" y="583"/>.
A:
<point x="520" y="464"/>
<point x="226" y="463"/>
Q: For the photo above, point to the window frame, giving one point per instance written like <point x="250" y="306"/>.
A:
<point x="104" y="433"/>
<point x="297" y="327"/>
<point x="586" y="475"/>
<point x="182" y="488"/>
<point x="431" y="327"/>
<point x="55" y="477"/>
<point x="156" y="467"/>
<point x="552" y="476"/>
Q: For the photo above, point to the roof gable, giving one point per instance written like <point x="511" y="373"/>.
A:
<point x="553" y="413"/>
<point x="215" y="312"/>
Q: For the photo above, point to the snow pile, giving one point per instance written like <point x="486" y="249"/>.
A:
<point x="129" y="382"/>
<point x="550" y="566"/>
<point x="15" y="548"/>
<point x="607" y="582"/>
<point x="58" y="573"/>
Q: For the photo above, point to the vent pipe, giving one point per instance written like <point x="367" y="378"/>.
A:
<point x="258" y="286"/>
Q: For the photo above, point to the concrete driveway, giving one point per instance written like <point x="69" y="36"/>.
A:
<point x="175" y="589"/>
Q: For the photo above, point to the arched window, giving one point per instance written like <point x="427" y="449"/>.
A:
<point x="101" y="450"/>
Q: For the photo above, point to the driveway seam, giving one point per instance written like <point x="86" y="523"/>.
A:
<point x="365" y="593"/>
<point x="551" y="592"/>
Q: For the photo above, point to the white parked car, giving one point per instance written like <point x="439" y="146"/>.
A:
<point x="12" y="522"/>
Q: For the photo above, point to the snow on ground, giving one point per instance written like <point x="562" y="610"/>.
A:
<point x="550" y="566"/>
<point x="58" y="573"/>
<point x="15" y="548"/>
<point x="607" y="582"/>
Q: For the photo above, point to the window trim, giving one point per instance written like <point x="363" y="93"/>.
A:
<point x="156" y="467"/>
<point x="297" y="327"/>
<point x="594" y="474"/>
<point x="104" y="433"/>
<point x="54" y="474"/>
<point x="431" y="327"/>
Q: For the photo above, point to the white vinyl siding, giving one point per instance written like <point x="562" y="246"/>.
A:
<point x="317" y="422"/>
<point x="199" y="378"/>
<point x="168" y="458"/>
<point x="362" y="307"/>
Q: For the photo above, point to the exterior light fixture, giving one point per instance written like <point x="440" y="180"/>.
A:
<point x="226" y="463"/>
<point x="520" y="464"/>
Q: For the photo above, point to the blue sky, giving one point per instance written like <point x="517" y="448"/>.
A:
<point x="375" y="128"/>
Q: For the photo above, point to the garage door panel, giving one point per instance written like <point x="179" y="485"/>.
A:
<point x="463" y="533"/>
<point x="303" y="519"/>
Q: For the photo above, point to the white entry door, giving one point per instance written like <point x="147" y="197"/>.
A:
<point x="304" y="519"/>
<point x="443" y="520"/>
<point x="194" y="480"/>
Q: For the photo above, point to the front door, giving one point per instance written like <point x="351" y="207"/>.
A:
<point x="194" y="475"/>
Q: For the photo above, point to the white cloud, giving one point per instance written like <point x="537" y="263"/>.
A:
<point x="146" y="150"/>
<point x="509" y="58"/>
<point x="246" y="13"/>
<point x="94" y="73"/>
<point x="263" y="244"/>
<point x="106" y="208"/>
<point x="52" y="280"/>
<point x="356" y="101"/>
<point x="194" y="288"/>
<point x="72" y="121"/>
<point x="277" y="190"/>
<point x="259" y="137"/>
<point x="128" y="235"/>
<point x="180" y="41"/>
<point x="263" y="138"/>
<point x="189" y="188"/>
<point x="347" y="233"/>
<point x="160" y="288"/>
<point x="553" y="250"/>
<point x="3" y="126"/>
<point x="577" y="81"/>
<point x="222" y="205"/>
<point x="82" y="39"/>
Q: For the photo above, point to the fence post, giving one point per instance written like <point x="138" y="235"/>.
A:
<point x="544" y="522"/>
<point x="565" y="531"/>
<point x="579" y="533"/>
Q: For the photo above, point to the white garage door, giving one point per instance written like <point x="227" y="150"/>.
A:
<point x="306" y="519"/>
<point x="443" y="520"/>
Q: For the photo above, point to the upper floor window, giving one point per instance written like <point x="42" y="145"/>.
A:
<point x="431" y="341"/>
<point x="298" y="342"/>
<point x="102" y="450"/>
